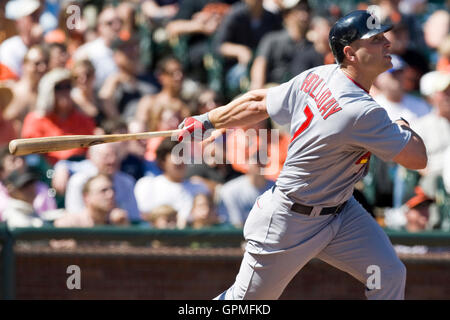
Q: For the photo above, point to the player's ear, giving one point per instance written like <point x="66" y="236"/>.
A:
<point x="349" y="53"/>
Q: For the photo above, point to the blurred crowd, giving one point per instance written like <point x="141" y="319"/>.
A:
<point x="72" y="67"/>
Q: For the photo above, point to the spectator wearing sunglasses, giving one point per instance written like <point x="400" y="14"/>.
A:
<point x="56" y="114"/>
<point x="24" y="91"/>
<point x="99" y="51"/>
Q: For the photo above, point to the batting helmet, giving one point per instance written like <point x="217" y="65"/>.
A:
<point x="356" y="25"/>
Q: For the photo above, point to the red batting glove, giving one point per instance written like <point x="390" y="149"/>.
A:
<point x="195" y="127"/>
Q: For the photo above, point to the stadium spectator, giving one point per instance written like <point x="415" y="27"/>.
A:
<point x="162" y="217"/>
<point x="320" y="52"/>
<point x="241" y="144"/>
<point x="443" y="64"/>
<point x="122" y="90"/>
<point x="83" y="92"/>
<point x="135" y="163"/>
<point x="26" y="14"/>
<point x="160" y="10"/>
<point x="43" y="201"/>
<point x="277" y="49"/>
<point x="389" y="11"/>
<point x="55" y="114"/>
<point x="394" y="99"/>
<point x="194" y="25"/>
<point x="169" y="188"/>
<point x="58" y="56"/>
<point x="238" y="37"/>
<point x="7" y="130"/>
<point x="104" y="159"/>
<point x="99" y="206"/>
<point x="434" y="129"/>
<point x="203" y="213"/>
<point x="436" y="28"/>
<point x="416" y="63"/>
<point x="418" y="212"/>
<point x="19" y="211"/>
<point x="99" y="51"/>
<point x="170" y="75"/>
<point x="239" y="195"/>
<point x="446" y="171"/>
<point x="25" y="91"/>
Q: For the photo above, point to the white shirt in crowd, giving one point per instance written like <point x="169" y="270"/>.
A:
<point x="101" y="56"/>
<point x="435" y="132"/>
<point x="20" y="214"/>
<point x="12" y="52"/>
<point x="410" y="108"/>
<point x="152" y="192"/>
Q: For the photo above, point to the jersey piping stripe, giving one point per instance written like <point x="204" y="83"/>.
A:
<point x="356" y="83"/>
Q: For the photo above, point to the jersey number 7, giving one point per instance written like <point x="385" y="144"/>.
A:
<point x="309" y="116"/>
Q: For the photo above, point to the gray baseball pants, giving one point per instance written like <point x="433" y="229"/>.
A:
<point x="280" y="242"/>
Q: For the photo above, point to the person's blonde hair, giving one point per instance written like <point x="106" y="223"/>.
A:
<point x="45" y="102"/>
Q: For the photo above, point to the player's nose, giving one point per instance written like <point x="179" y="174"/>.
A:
<point x="387" y="43"/>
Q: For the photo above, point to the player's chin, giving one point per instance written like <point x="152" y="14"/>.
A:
<point x="387" y="63"/>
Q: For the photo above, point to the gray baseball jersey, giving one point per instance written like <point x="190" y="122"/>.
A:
<point x="335" y="126"/>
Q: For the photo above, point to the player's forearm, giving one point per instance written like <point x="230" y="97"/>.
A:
<point x="245" y="110"/>
<point x="414" y="154"/>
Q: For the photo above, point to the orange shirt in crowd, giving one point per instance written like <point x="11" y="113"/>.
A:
<point x="53" y="125"/>
<point x="240" y="145"/>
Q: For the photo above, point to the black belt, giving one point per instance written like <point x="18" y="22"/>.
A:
<point x="297" y="207"/>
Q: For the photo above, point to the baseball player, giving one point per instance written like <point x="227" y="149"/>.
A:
<point x="335" y="127"/>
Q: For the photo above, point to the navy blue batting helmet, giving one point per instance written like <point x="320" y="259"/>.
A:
<point x="358" y="24"/>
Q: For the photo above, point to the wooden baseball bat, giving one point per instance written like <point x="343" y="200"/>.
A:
<point x="21" y="147"/>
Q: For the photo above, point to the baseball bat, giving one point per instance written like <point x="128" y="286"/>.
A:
<point x="21" y="147"/>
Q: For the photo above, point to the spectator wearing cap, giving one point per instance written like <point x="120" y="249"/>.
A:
<point x="277" y="49"/>
<point x="103" y="159"/>
<point x="122" y="90"/>
<point x="25" y="91"/>
<point x="389" y="177"/>
<point x="99" y="206"/>
<point x="99" y="51"/>
<point x="26" y="14"/>
<point x="19" y="211"/>
<point x="56" y="114"/>
<point x="394" y="99"/>
<point x="434" y="129"/>
<point x="43" y="201"/>
<point x="418" y="211"/>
